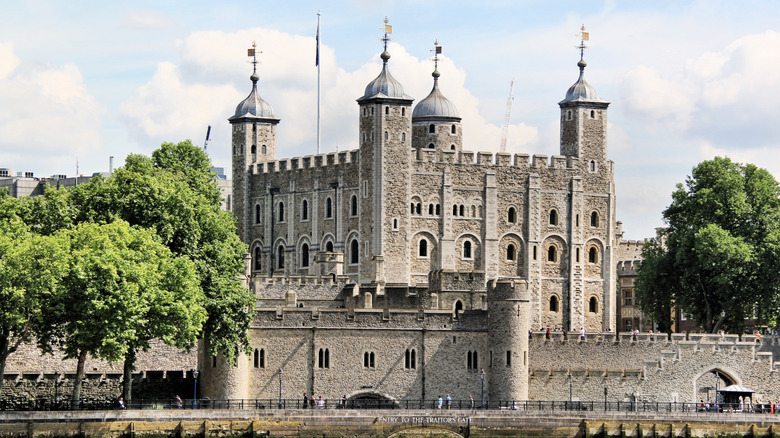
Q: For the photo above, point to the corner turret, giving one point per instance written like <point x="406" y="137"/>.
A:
<point x="435" y="120"/>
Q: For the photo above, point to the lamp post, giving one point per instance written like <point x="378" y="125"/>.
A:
<point x="605" y="398"/>
<point x="570" y="379"/>
<point x="717" y="381"/>
<point x="195" y="389"/>
<point x="482" y="373"/>
<point x="280" y="388"/>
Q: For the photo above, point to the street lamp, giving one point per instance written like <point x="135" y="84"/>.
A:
<point x="482" y="373"/>
<point x="605" y="398"/>
<point x="717" y="381"/>
<point x="570" y="379"/>
<point x="280" y="388"/>
<point x="195" y="390"/>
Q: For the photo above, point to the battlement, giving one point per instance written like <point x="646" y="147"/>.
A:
<point x="628" y="266"/>
<point x="306" y="162"/>
<point x="501" y="159"/>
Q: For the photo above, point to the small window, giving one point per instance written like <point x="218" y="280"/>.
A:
<point x="262" y="358"/>
<point x="387" y="110"/>
<point x="280" y="257"/>
<point x="353" y="206"/>
<point x="534" y="252"/>
<point x="454" y="210"/>
<point x="430" y="209"/>
<point x="423" y="252"/>
<point x="368" y="360"/>
<point x="432" y="128"/>
<point x="594" y="219"/>
<point x="592" y="114"/>
<point x="473" y="211"/>
<point x="403" y="112"/>
<point x="472" y="361"/>
<point x="568" y="115"/>
<point x="553" y="303"/>
<point x="577" y="255"/>
<point x="511" y="252"/>
<point x="257" y="359"/>
<point x="592" y="166"/>
<point x="411" y="207"/>
<point x="593" y="255"/>
<point x="593" y="305"/>
<point x="511" y="215"/>
<point x="438" y="209"/>
<point x="458" y="307"/>
<point x="305" y="255"/>
<point x="328" y="208"/>
<point x="431" y="146"/>
<point x="258" y="214"/>
<point x="454" y="130"/>
<point x="323" y="358"/>
<point x="410" y="359"/>
<point x="305" y="210"/>
<point x="365" y="189"/>
<point x="462" y="210"/>
<point x="418" y="208"/>
<point x="452" y="147"/>
<point x="354" y="252"/>
<point x="281" y="211"/>
<point x="403" y="137"/>
<point x="329" y="246"/>
<point x="553" y="217"/>
<point x="395" y="224"/>
<point x="214" y="361"/>
<point x="387" y="136"/>
<point x="552" y="254"/>
<point x="263" y="150"/>
<point x="577" y="220"/>
<point x="467" y="249"/>
<point x="509" y="358"/>
<point x="257" y="258"/>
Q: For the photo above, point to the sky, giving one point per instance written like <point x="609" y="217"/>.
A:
<point x="82" y="81"/>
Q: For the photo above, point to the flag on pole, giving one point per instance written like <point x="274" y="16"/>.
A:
<point x="585" y="36"/>
<point x="317" y="56"/>
<point x="438" y="50"/>
<point x="250" y="52"/>
<point x="388" y="28"/>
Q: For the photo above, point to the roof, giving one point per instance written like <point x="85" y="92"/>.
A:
<point x="435" y="105"/>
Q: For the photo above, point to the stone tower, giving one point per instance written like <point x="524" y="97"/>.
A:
<point x="254" y="141"/>
<point x="507" y="339"/>
<point x="384" y="176"/>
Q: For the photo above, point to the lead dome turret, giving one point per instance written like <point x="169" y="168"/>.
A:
<point x="385" y="85"/>
<point x="435" y="105"/>
<point x="254" y="106"/>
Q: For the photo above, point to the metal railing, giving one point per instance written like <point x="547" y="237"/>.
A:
<point x="434" y="404"/>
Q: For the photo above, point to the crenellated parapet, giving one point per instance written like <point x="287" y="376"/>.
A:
<point x="329" y="160"/>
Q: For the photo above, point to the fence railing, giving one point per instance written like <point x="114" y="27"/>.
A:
<point x="435" y="404"/>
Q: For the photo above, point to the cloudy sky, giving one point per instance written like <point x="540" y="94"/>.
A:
<point x="688" y="80"/>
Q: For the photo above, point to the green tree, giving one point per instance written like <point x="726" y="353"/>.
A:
<point x="718" y="260"/>
<point x="30" y="267"/>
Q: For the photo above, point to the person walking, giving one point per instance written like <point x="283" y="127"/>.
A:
<point x="439" y="403"/>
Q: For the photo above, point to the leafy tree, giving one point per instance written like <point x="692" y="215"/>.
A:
<point x="30" y="267"/>
<point x="718" y="261"/>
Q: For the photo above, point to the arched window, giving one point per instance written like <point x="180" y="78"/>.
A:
<point x="592" y="114"/>
<point x="281" y="211"/>
<point x="253" y="150"/>
<point x="432" y="128"/>
<point x="410" y="359"/>
<point x="462" y="210"/>
<point x="553" y="303"/>
<point x="593" y="305"/>
<point x="458" y="307"/>
<point x="262" y="358"/>
<point x="452" y="147"/>
<point x="328" y="208"/>
<point x="423" y="252"/>
<point x="395" y="224"/>
<point x="430" y="209"/>
<point x="418" y="208"/>
<point x="323" y="358"/>
<point x="387" y="110"/>
<point x="592" y="166"/>
<point x="438" y="209"/>
<point x="511" y="215"/>
<point x="594" y="219"/>
<point x="510" y="252"/>
<point x="473" y="211"/>
<point x="258" y="214"/>
<point x="257" y="359"/>
<point x="568" y="115"/>
<point x="386" y="135"/>
<point x="403" y="137"/>
<point x="454" y="129"/>
<point x="411" y="207"/>
<point x="593" y="255"/>
<point x="466" y="249"/>
<point x="553" y="217"/>
<point x="354" y="252"/>
<point x="431" y="146"/>
<point x="263" y="150"/>
<point x="454" y="210"/>
<point x="328" y="246"/>
<point x="257" y="258"/>
<point x="305" y="210"/>
<point x="552" y="253"/>
<point x="305" y="255"/>
<point x="280" y="257"/>
<point x="353" y="206"/>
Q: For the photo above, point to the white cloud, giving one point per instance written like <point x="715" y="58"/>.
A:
<point x="8" y="60"/>
<point x="48" y="114"/>
<point x="148" y="20"/>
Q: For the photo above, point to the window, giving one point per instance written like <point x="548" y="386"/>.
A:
<point x="418" y="208"/>
<point x="509" y="358"/>
<point x="594" y="219"/>
<point x="472" y="361"/>
<point x="454" y="210"/>
<point x="214" y="361"/>
<point x="593" y="305"/>
<point x="257" y="259"/>
<point x="305" y="210"/>
<point x="592" y="114"/>
<point x="438" y="209"/>
<point x="253" y="151"/>
<point x="454" y="129"/>
<point x="305" y="255"/>
<point x="329" y="246"/>
<point x="577" y="220"/>
<point x="264" y="150"/>
<point x="534" y="252"/>
<point x="458" y="307"/>
<point x="353" y="206"/>
<point x="552" y="254"/>
<point x="259" y="359"/>
<point x="467" y="249"/>
<point x="387" y="110"/>
<point x="403" y="137"/>
<point x="511" y="215"/>
<point x="328" y="208"/>
<point x="568" y="115"/>
<point x="431" y="146"/>
<point x="386" y="135"/>
<point x="592" y="166"/>
<point x="423" y="252"/>
<point x="368" y="360"/>
<point x="461" y="210"/>
<point x="365" y="188"/>
<point x="473" y="211"/>
<point x="577" y="255"/>
<point x="280" y="257"/>
<point x="432" y="128"/>
<point x="553" y="303"/>
<point x="452" y="147"/>
<point x="628" y="297"/>
<point x="323" y="358"/>
<point x="354" y="252"/>
<point x="258" y="214"/>
<point x="395" y="224"/>
<point x="430" y="209"/>
<point x="510" y="252"/>
<point x="281" y="211"/>
<point x="593" y="255"/>
<point x="410" y="359"/>
<point x="403" y="111"/>
<point x="553" y="217"/>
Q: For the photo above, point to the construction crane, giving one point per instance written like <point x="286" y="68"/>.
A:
<point x="505" y="127"/>
<point x="208" y="135"/>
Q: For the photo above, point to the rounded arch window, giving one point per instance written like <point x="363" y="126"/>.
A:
<point x="452" y="147"/>
<point x="257" y="256"/>
<point x="328" y="208"/>
<point x="511" y="252"/>
<point x="593" y="305"/>
<point x="593" y="255"/>
<point x="329" y="246"/>
<point x="280" y="257"/>
<point x="353" y="206"/>
<point x="354" y="252"/>
<point x="432" y="128"/>
<point x="263" y="150"/>
<point x="511" y="215"/>
<point x="258" y="214"/>
<point x="305" y="210"/>
<point x="592" y="114"/>
<point x="423" y="248"/>
<point x="281" y="211"/>
<point x="305" y="255"/>
<point x="430" y="146"/>
<point x="553" y="217"/>
<point x="552" y="253"/>
<point x="387" y="110"/>
<point x="467" y="249"/>
<point x="403" y="136"/>
<point x="387" y="135"/>
<point x="553" y="303"/>
<point x="458" y="306"/>
<point x="594" y="219"/>
<point x="454" y="130"/>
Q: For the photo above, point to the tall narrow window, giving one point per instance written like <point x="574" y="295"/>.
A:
<point x="262" y="358"/>
<point x="257" y="261"/>
<point x="454" y="129"/>
<point x="552" y="254"/>
<point x="462" y="210"/>
<point x="553" y="303"/>
<point x="280" y="257"/>
<point x="368" y="359"/>
<point x="454" y="210"/>
<point x="418" y="208"/>
<point x="432" y="128"/>
<point x="354" y="252"/>
<point x="467" y="249"/>
<point x="387" y="110"/>
<point x="593" y="305"/>
<point x="410" y="359"/>
<point x="258" y="215"/>
<point x="458" y="307"/>
<point x="257" y="359"/>
<point x="281" y="212"/>
<point x="328" y="208"/>
<point x="511" y="215"/>
<point x="403" y="137"/>
<point x="305" y="255"/>
<point x="430" y="209"/>
<point x="510" y="252"/>
<point x="438" y="209"/>
<point x="395" y="224"/>
<point x="423" y="248"/>
<point x="577" y="256"/>
<point x="264" y="150"/>
<point x="553" y="217"/>
<point x="509" y="358"/>
<point x="305" y="210"/>
<point x="353" y="206"/>
<point x="594" y="219"/>
<point x="323" y="358"/>
<point x="469" y="364"/>
<point x="593" y="255"/>
<point x="329" y="246"/>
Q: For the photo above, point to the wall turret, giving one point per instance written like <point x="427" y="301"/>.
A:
<point x="435" y="120"/>
<point x="508" y="303"/>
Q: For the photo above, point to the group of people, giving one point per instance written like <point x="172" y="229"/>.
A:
<point x="316" y="403"/>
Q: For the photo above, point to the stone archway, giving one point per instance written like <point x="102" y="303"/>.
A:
<point x="426" y="431"/>
<point x="707" y="382"/>
<point x="371" y="400"/>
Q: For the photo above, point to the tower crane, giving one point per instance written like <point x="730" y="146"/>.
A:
<point x="505" y="127"/>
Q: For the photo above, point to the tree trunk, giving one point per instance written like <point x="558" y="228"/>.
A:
<point x="127" y="386"/>
<point x="80" y="374"/>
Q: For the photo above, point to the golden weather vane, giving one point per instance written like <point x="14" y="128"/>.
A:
<point x="583" y="36"/>
<point x="387" y="29"/>
<point x="436" y="52"/>
<point x="253" y="52"/>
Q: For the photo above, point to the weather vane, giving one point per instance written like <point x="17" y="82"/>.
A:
<point x="388" y="29"/>
<point x="253" y="53"/>
<point x="584" y="36"/>
<point x="436" y="52"/>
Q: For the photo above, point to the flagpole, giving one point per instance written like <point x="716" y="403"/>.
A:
<point x="319" y="105"/>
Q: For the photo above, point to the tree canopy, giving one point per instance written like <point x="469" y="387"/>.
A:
<point x="716" y="260"/>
